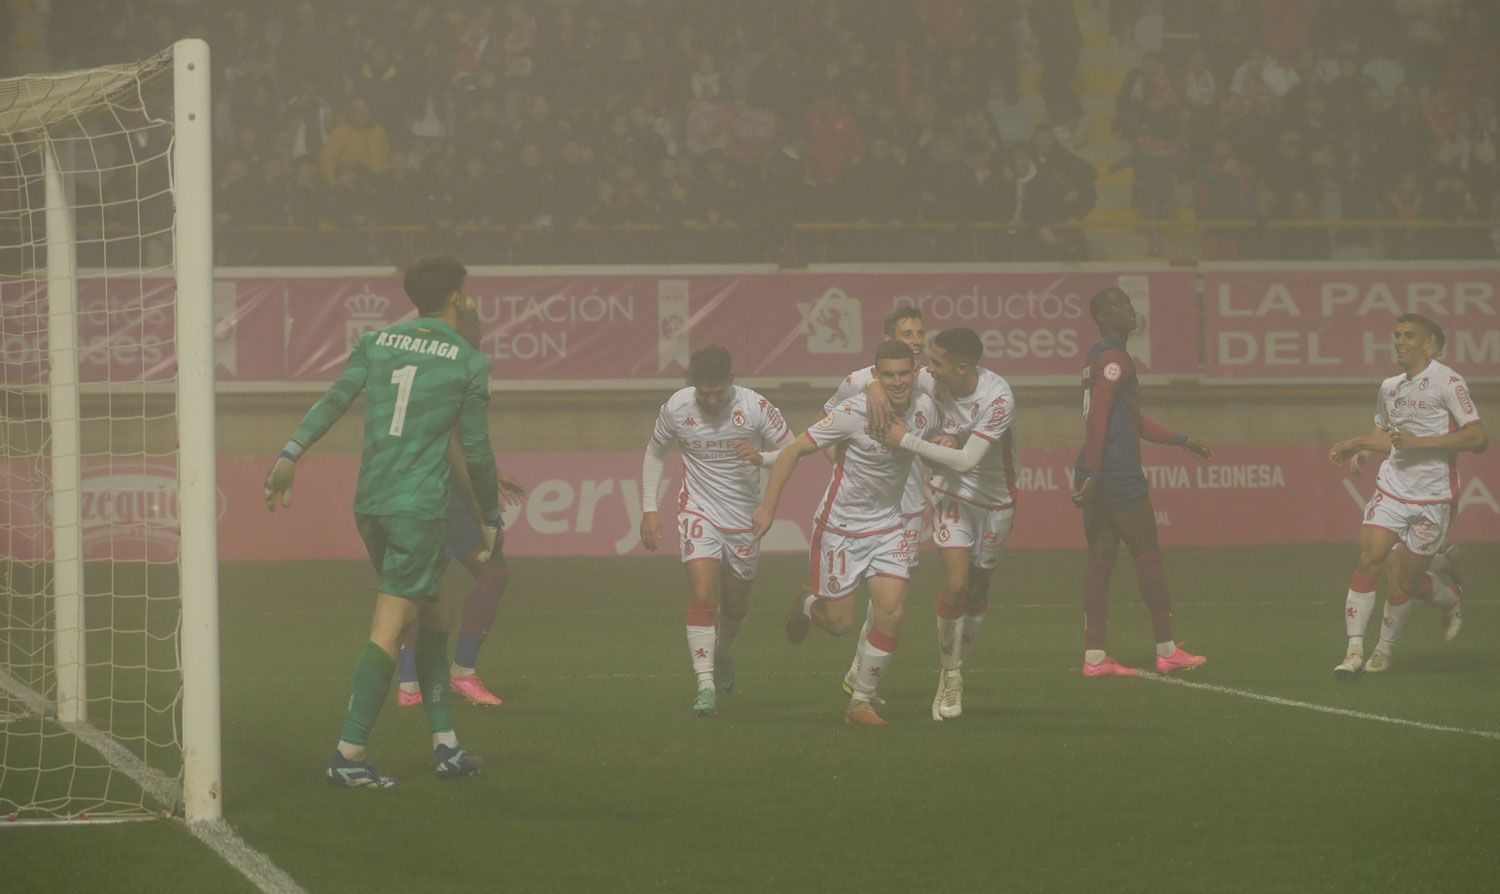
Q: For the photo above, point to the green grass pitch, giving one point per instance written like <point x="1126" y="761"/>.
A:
<point x="600" y="779"/>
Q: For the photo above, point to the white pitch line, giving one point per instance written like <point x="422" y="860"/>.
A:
<point x="1321" y="709"/>
<point x="217" y="834"/>
<point x="251" y="863"/>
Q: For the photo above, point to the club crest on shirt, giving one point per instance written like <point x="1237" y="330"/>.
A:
<point x="738" y="419"/>
<point x="921" y="419"/>
<point x="1423" y="386"/>
<point x="825" y="422"/>
<point x="1112" y="371"/>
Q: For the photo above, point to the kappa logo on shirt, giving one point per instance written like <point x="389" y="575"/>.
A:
<point x="1464" y="401"/>
<point x="689" y="421"/>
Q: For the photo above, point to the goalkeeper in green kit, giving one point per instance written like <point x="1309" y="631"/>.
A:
<point x="421" y="378"/>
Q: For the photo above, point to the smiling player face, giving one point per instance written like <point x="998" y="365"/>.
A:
<point x="946" y="369"/>
<point x="1414" y="346"/>
<point x="896" y="378"/>
<point x="912" y="333"/>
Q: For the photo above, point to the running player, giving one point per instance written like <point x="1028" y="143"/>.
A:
<point x="858" y="532"/>
<point x="421" y="380"/>
<point x="719" y="492"/>
<point x="904" y="324"/>
<point x="1424" y="417"/>
<point x="974" y="491"/>
<point x="1113" y="494"/>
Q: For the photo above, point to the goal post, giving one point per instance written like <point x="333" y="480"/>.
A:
<point x="109" y="504"/>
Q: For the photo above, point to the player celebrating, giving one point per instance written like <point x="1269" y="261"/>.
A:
<point x="487" y="567"/>
<point x="422" y="378"/>
<point x="904" y="324"/>
<point x="1113" y="494"/>
<point x="1424" y="417"/>
<point x="858" y="531"/>
<point x="974" y="486"/>
<point x="719" y="492"/>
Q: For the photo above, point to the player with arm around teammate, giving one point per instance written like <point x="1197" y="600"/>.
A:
<point x="858" y="533"/>
<point x="1113" y="494"/>
<point x="974" y="494"/>
<point x="421" y="379"/>
<point x="904" y="324"/>
<point x="706" y="420"/>
<point x="1424" y="417"/>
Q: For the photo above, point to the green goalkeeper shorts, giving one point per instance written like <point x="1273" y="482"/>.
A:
<point x="407" y="553"/>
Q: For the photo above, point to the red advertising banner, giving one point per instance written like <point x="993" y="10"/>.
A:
<point x="586" y="330"/>
<point x="587" y="504"/>
<point x="1336" y="323"/>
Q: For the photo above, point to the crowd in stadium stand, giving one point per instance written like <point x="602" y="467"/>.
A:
<point x="528" y="119"/>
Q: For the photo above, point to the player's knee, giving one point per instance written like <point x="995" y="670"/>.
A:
<point x="955" y="584"/>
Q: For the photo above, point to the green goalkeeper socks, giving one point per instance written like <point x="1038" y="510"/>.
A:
<point x="432" y="673"/>
<point x="372" y="681"/>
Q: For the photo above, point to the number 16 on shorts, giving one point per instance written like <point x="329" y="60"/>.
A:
<point x="700" y="539"/>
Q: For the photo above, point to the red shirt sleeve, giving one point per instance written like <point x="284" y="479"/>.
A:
<point x="1154" y="431"/>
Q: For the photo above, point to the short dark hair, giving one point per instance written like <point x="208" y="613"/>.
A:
<point x="1428" y="326"/>
<point x="962" y="343"/>
<point x="1102" y="296"/>
<point x="431" y="281"/>
<point x="891" y="349"/>
<point x="710" y="364"/>
<point x="894" y="318"/>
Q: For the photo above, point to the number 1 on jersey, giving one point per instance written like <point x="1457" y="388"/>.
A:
<point x="402" y="378"/>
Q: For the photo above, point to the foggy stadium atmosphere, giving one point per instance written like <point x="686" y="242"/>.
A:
<point x="536" y="445"/>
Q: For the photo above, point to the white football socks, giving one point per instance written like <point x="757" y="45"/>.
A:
<point x="701" y="648"/>
<point x="950" y="654"/>
<point x="1357" y="609"/>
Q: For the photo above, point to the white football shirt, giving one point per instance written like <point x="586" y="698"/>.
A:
<point x="1435" y="401"/>
<point x="717" y="485"/>
<point x="914" y="497"/>
<point x="988" y="412"/>
<point x="865" y="491"/>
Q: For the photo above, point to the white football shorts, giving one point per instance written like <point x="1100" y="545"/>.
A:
<point x="699" y="540"/>
<point x="961" y="525"/>
<point x="1423" y="527"/>
<point x="838" y="562"/>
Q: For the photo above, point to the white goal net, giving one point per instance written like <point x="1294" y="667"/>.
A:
<point x="107" y="558"/>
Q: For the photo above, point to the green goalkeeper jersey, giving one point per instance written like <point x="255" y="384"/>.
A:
<point x="422" y="378"/>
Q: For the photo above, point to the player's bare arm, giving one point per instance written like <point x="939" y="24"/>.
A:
<point x="1378" y="441"/>
<point x="781" y="473"/>
<point x="1470" y="438"/>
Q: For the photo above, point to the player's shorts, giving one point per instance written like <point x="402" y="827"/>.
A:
<point x="699" y="539"/>
<point x="838" y="562"/>
<point x="1116" y="488"/>
<point x="465" y="535"/>
<point x="911" y="541"/>
<point x="958" y="524"/>
<point x="407" y="552"/>
<point x="1421" y="526"/>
